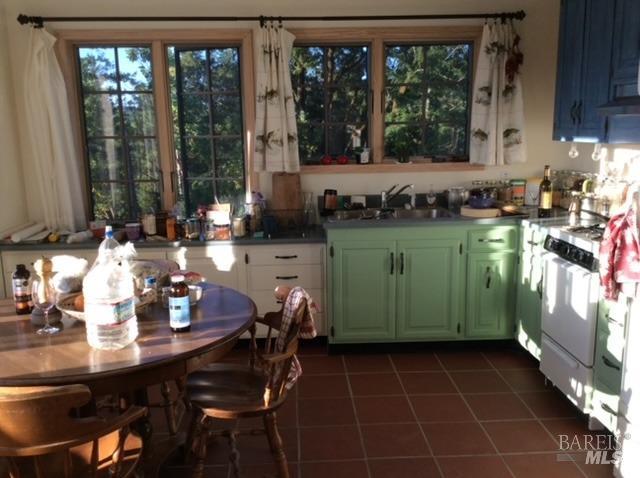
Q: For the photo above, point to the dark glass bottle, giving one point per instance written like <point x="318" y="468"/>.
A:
<point x="545" y="197"/>
<point x="179" y="311"/>
<point x="22" y="290"/>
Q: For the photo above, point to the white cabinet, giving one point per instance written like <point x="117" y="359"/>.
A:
<point x="219" y="264"/>
<point x="292" y="265"/>
<point x="253" y="270"/>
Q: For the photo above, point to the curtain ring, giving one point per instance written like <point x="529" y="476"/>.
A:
<point x="262" y="21"/>
<point x="280" y="22"/>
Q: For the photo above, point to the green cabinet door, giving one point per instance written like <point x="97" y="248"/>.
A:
<point x="364" y="286"/>
<point x="490" y="294"/>
<point x="429" y="288"/>
<point x="529" y="292"/>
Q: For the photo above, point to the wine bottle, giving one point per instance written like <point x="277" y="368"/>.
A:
<point x="545" y="197"/>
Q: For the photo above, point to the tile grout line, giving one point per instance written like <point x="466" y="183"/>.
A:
<point x="355" y="416"/>
<point x="415" y="416"/>
<point x="474" y="413"/>
<point x="535" y="416"/>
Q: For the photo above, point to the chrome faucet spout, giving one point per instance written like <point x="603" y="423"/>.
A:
<point x="389" y="195"/>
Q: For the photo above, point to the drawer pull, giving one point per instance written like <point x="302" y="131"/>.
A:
<point x="609" y="363"/>
<point x="532" y="243"/>
<point x="392" y="262"/>
<point x="287" y="257"/>
<point x="494" y="241"/>
<point x="401" y="263"/>
<point x="608" y="409"/>
<point x="286" y="277"/>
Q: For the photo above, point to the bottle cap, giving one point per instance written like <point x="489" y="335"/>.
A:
<point x="177" y="278"/>
<point x="108" y="231"/>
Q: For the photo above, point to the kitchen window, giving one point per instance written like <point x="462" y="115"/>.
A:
<point x="331" y="91"/>
<point x="427" y="93"/>
<point x="206" y="97"/>
<point x="427" y="99"/>
<point x="119" y="124"/>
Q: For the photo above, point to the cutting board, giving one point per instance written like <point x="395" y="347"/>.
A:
<point x="285" y="191"/>
<point x="471" y="212"/>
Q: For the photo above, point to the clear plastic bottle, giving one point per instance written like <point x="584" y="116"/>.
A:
<point x="109" y="298"/>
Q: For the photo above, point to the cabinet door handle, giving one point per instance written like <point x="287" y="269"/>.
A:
<point x="493" y="241"/>
<point x="392" y="263"/>
<point x="608" y="409"/>
<point x="572" y="112"/>
<point x="286" y="277"/>
<point x="488" y="277"/>
<point x="539" y="288"/>
<point x="532" y="243"/>
<point x="579" y="112"/>
<point x="287" y="257"/>
<point x="609" y="363"/>
<point x="401" y="263"/>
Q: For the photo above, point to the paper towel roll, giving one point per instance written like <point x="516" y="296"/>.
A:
<point x="27" y="232"/>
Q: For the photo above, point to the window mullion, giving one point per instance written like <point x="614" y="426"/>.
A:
<point x="376" y="138"/>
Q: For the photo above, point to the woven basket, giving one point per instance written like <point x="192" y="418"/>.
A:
<point x="66" y="304"/>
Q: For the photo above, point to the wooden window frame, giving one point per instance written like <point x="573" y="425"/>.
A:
<point x="377" y="37"/>
<point x="159" y="40"/>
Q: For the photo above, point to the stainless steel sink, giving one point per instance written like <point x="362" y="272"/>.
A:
<point x="436" y="213"/>
<point x="391" y="214"/>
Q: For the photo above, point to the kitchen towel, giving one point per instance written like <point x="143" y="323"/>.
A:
<point x="497" y="114"/>
<point x="276" y="145"/>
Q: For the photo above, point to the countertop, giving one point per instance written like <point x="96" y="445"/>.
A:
<point x="530" y="214"/>
<point x="311" y="236"/>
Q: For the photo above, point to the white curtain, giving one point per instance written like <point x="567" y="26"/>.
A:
<point x="276" y="131"/>
<point x="57" y="168"/>
<point x="497" y="115"/>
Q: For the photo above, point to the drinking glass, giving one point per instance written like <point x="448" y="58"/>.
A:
<point x="44" y="298"/>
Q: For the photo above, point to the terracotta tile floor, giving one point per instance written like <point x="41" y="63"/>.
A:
<point x="441" y="412"/>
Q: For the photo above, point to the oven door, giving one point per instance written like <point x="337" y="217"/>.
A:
<point x="570" y="307"/>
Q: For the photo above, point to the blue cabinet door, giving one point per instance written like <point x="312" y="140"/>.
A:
<point x="596" y="69"/>
<point x="568" y="79"/>
<point x="626" y="49"/>
<point x="624" y="70"/>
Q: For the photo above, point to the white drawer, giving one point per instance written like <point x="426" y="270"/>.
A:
<point x="605" y="407"/>
<point x="285" y="254"/>
<point x="269" y="277"/>
<point x="567" y="373"/>
<point x="266" y="301"/>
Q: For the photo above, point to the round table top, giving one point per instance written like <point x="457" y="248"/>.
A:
<point x="27" y="358"/>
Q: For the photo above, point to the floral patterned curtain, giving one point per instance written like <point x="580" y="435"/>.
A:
<point x="497" y="115"/>
<point x="276" y="130"/>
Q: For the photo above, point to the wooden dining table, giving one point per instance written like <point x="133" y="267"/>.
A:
<point x="158" y="355"/>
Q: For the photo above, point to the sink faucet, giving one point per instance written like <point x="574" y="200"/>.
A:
<point x="389" y="195"/>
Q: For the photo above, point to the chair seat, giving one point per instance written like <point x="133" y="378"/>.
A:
<point x="81" y="459"/>
<point x="229" y="391"/>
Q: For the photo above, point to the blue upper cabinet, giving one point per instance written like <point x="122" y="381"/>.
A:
<point x="584" y="67"/>
<point x="570" y="51"/>
<point x="623" y="109"/>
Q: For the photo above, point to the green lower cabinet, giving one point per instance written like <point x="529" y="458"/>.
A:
<point x="429" y="284"/>
<point x="490" y="298"/>
<point x="529" y="302"/>
<point x="364" y="291"/>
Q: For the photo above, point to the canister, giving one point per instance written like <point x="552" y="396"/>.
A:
<point x="517" y="191"/>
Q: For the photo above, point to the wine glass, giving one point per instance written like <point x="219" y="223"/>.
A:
<point x="44" y="298"/>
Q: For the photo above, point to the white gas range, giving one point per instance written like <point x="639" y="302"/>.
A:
<point x="571" y="290"/>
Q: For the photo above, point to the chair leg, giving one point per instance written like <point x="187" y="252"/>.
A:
<point x="234" y="456"/>
<point x="276" y="445"/>
<point x="169" y="410"/>
<point x="201" y="452"/>
<point x="181" y="385"/>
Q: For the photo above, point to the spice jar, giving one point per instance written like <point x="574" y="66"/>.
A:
<point x="518" y="187"/>
<point x="239" y="227"/>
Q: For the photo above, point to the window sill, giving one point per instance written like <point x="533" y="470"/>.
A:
<point x="388" y="168"/>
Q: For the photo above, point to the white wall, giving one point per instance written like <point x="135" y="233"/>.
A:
<point x="13" y="209"/>
<point x="539" y="34"/>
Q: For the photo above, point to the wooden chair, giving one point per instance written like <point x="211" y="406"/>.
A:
<point x="41" y="437"/>
<point x="232" y="391"/>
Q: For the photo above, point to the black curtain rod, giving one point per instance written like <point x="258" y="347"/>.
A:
<point x="39" y="21"/>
